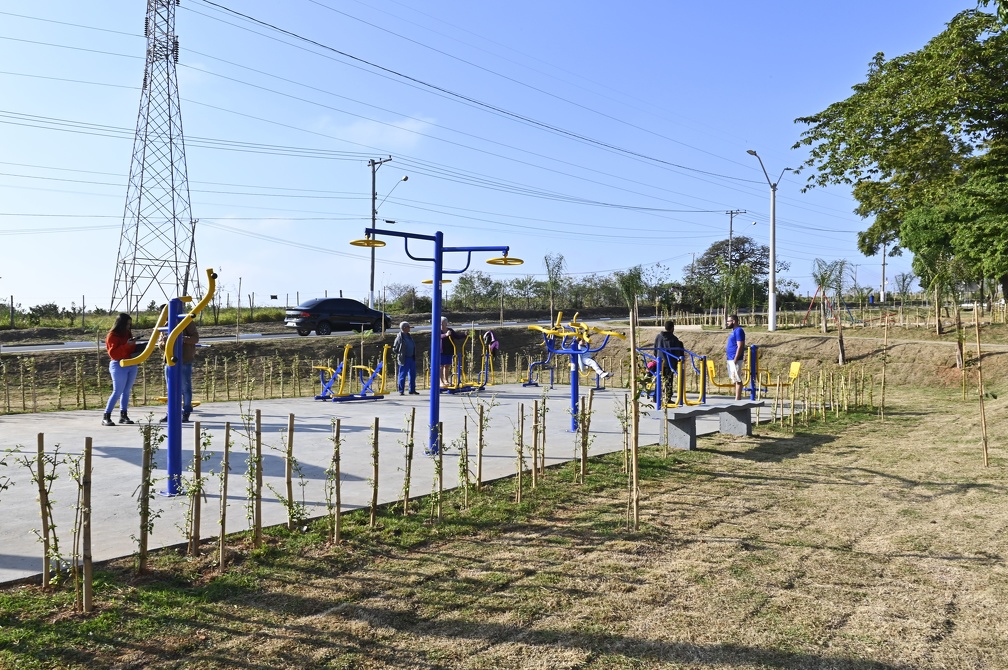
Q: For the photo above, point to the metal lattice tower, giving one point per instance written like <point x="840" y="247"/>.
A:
<point x="157" y="252"/>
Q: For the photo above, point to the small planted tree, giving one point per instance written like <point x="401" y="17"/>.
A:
<point x="631" y="285"/>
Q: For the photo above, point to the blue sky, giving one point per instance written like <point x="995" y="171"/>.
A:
<point x="615" y="134"/>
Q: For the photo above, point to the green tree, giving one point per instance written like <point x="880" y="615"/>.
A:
<point x="719" y="279"/>
<point x="925" y="131"/>
<point x="527" y="288"/>
<point x="555" y="266"/>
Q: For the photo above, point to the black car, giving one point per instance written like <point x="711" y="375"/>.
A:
<point x="324" y="315"/>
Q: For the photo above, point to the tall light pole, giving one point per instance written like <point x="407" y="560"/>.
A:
<point x="374" y="165"/>
<point x="437" y="258"/>
<point x="772" y="316"/>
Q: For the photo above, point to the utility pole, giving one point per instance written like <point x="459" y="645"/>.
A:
<point x="374" y="165"/>
<point x="731" y="217"/>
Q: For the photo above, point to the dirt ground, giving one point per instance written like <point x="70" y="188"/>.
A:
<point x="872" y="545"/>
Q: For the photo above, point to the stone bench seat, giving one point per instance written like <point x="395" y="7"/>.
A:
<point x="735" y="419"/>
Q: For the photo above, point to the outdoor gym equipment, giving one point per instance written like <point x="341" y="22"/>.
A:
<point x="750" y="382"/>
<point x="437" y="258"/>
<point x="574" y="341"/>
<point x="460" y="382"/>
<point x="490" y="346"/>
<point x="365" y="375"/>
<point x="176" y="323"/>
<point x="678" y="365"/>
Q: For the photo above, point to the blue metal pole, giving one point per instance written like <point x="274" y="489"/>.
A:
<point x="574" y="390"/>
<point x="435" y="383"/>
<point x="753" y="374"/>
<point x="703" y="380"/>
<point x="173" y="379"/>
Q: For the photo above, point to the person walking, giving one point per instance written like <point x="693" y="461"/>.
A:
<point x="405" y="352"/>
<point x="734" y="351"/>
<point x="120" y="344"/>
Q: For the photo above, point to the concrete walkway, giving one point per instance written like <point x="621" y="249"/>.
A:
<point x="117" y="456"/>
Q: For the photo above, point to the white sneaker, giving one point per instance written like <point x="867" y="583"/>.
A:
<point x="605" y="374"/>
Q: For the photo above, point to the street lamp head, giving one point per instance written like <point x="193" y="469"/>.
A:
<point x="751" y="152"/>
<point x="405" y="177"/>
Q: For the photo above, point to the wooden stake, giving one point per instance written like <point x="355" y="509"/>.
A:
<point x="521" y="449"/>
<point x="535" y="443"/>
<point x="289" y="472"/>
<point x="542" y="441"/>
<point x="194" y="529"/>
<point x="464" y="461"/>
<point x="44" y="505"/>
<point x="145" y="470"/>
<point x="409" y="463"/>
<point x="980" y="393"/>
<point x="374" y="474"/>
<point x="225" y="469"/>
<point x="440" y="458"/>
<point x="257" y="502"/>
<point x="479" y="451"/>
<point x="885" y="349"/>
<point x="337" y="502"/>
<point x="86" y="526"/>
<point x="583" y="425"/>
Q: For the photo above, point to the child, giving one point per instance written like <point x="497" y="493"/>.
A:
<point x="585" y="359"/>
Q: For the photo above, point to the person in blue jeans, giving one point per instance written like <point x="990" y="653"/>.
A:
<point x="190" y="336"/>
<point x="404" y="349"/>
<point x="735" y="350"/>
<point x="120" y="344"/>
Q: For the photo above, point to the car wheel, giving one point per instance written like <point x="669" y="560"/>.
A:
<point x="377" y="326"/>
<point x="323" y="328"/>
<point x="304" y="331"/>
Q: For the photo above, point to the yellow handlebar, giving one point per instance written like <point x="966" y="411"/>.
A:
<point x="151" y="343"/>
<point x="188" y="318"/>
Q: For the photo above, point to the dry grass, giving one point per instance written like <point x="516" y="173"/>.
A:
<point x="867" y="545"/>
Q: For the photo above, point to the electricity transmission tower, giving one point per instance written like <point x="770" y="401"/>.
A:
<point x="157" y="253"/>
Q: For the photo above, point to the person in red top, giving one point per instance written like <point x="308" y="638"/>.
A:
<point x="120" y="345"/>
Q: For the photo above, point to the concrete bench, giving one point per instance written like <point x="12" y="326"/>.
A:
<point x="735" y="417"/>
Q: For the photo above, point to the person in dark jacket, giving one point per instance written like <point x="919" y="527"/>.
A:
<point x="668" y="349"/>
<point x="404" y="349"/>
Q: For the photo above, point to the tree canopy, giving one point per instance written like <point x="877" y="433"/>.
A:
<point x="923" y="142"/>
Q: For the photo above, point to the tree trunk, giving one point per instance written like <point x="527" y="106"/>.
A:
<point x="822" y="312"/>
<point x="938" y="323"/>
<point x="959" y="340"/>
<point x="842" y="352"/>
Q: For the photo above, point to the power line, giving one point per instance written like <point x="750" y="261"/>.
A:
<point x="484" y="105"/>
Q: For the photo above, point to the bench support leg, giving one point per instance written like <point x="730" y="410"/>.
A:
<point x="736" y="422"/>
<point x="682" y="433"/>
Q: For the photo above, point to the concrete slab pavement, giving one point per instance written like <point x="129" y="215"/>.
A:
<point x="117" y="455"/>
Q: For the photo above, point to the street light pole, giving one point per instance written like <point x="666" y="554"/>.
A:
<point x="371" y="240"/>
<point x="772" y="308"/>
